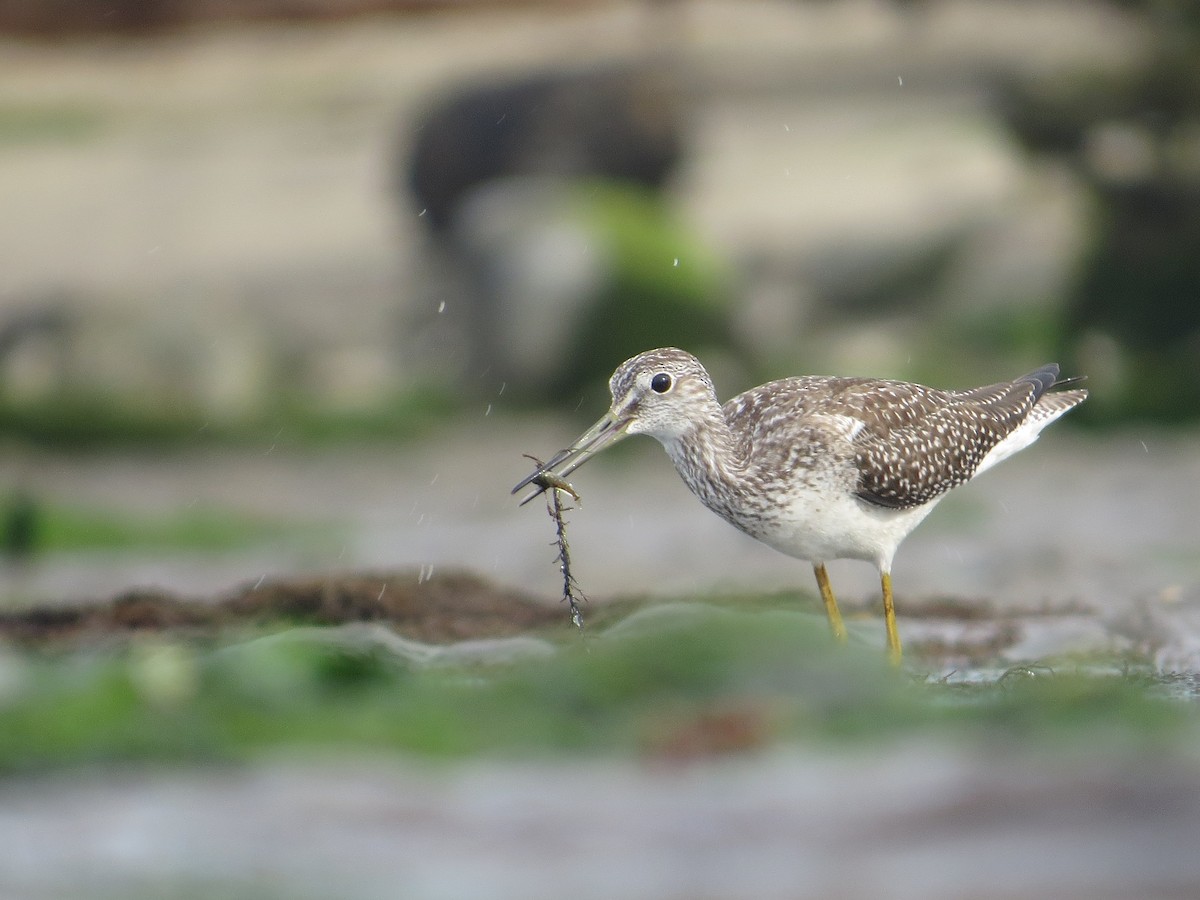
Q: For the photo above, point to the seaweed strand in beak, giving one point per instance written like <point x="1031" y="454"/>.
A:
<point x="553" y="473"/>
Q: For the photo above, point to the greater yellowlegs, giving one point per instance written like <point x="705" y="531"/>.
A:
<point x="819" y="468"/>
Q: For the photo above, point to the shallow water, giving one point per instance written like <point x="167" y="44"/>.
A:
<point x="905" y="821"/>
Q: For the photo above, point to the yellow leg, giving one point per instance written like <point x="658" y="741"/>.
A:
<point x="831" y="607"/>
<point x="889" y="617"/>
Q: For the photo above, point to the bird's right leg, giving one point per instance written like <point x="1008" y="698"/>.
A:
<point x="831" y="606"/>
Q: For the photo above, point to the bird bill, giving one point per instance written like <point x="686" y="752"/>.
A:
<point x="553" y="474"/>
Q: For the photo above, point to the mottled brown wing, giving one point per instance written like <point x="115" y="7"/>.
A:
<point x="910" y="443"/>
<point x="917" y="443"/>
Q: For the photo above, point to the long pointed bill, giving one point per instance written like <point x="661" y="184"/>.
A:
<point x="607" y="431"/>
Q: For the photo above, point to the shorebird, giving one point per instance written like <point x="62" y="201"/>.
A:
<point x="818" y="467"/>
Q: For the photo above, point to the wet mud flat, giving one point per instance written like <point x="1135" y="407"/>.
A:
<point x="1074" y="549"/>
<point x="441" y="609"/>
<point x="387" y="725"/>
<point x="713" y="747"/>
<point x="947" y="635"/>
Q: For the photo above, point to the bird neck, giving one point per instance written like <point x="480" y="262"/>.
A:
<point x="708" y="456"/>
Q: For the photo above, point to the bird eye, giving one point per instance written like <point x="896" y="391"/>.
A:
<point x="660" y="383"/>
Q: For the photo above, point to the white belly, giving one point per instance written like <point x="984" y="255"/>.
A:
<point x="819" y="527"/>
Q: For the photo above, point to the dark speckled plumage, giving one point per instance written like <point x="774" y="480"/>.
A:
<point x="910" y="443"/>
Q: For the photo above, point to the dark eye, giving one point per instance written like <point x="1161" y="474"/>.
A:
<point x="660" y="383"/>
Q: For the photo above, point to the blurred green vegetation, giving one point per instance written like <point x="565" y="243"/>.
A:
<point x="59" y="528"/>
<point x="662" y="683"/>
<point x="59" y="123"/>
<point x="81" y="420"/>
<point x="663" y="288"/>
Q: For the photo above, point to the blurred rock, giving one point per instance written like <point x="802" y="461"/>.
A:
<point x="543" y="198"/>
<point x="1131" y="137"/>
<point x="624" y="122"/>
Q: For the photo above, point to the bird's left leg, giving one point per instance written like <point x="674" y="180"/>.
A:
<point x="889" y="617"/>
